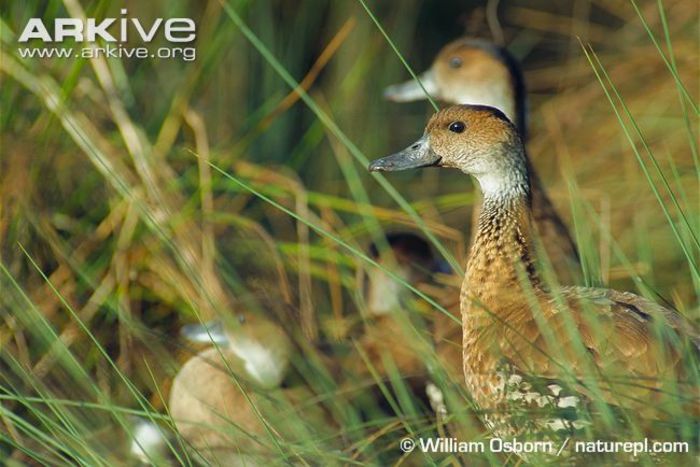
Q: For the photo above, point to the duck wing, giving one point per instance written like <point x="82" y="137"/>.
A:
<point x="643" y="352"/>
<point x="610" y="346"/>
<point x="640" y="326"/>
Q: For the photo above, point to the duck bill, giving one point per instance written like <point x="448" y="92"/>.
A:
<point x="210" y="332"/>
<point x="415" y="156"/>
<point x="411" y="90"/>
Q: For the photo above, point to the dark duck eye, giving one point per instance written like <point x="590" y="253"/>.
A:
<point x="455" y="62"/>
<point x="456" y="127"/>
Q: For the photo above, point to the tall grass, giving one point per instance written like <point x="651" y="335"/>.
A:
<point x="140" y="195"/>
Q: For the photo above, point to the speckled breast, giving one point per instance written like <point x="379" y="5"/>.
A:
<point x="517" y="405"/>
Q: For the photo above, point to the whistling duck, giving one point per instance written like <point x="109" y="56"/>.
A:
<point x="415" y="263"/>
<point x="411" y="258"/>
<point x="219" y="396"/>
<point x="537" y="360"/>
<point x="475" y="71"/>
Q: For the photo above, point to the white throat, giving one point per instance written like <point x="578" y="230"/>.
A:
<point x="503" y="185"/>
<point x="385" y="293"/>
<point x="262" y="363"/>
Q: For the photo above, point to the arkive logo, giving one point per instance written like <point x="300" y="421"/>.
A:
<point x="177" y="30"/>
<point x="109" y="37"/>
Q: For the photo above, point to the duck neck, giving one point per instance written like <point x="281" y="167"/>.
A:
<point x="518" y="91"/>
<point x="500" y="258"/>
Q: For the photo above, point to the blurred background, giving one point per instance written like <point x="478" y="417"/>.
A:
<point x="115" y="230"/>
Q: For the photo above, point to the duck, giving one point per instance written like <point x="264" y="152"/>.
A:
<point x="228" y="402"/>
<point x="479" y="72"/>
<point x="380" y="343"/>
<point x="415" y="262"/>
<point x="538" y="359"/>
<point x="471" y="71"/>
<point x="411" y="257"/>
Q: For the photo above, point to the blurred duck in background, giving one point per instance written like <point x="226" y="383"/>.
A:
<point x="411" y="258"/>
<point x="475" y="71"/>
<point x="386" y="298"/>
<point x="227" y="401"/>
<point x="415" y="263"/>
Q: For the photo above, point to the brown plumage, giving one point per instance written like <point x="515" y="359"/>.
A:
<point x="412" y="259"/>
<point x="474" y="71"/>
<point x="386" y="327"/>
<point x="409" y="257"/>
<point x="383" y="344"/>
<point x="222" y="399"/>
<point x="532" y="356"/>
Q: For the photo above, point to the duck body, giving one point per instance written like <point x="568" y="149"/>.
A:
<point x="386" y="335"/>
<point x="539" y="360"/>
<point x="223" y="416"/>
<point x="380" y="357"/>
<point x="227" y="402"/>
<point x="383" y="345"/>
<point x="387" y="326"/>
<point x="512" y="325"/>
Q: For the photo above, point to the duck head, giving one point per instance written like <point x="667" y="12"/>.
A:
<point x="476" y="139"/>
<point x="261" y="345"/>
<point x="470" y="71"/>
<point x="413" y="260"/>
